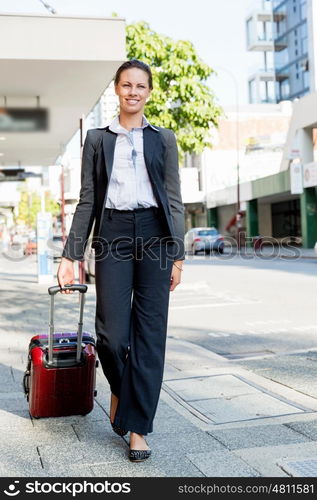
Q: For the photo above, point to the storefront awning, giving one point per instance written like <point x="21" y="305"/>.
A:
<point x="59" y="65"/>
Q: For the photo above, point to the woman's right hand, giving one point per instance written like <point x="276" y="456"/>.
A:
<point x="65" y="274"/>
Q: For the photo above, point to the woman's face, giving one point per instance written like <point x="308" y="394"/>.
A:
<point x="133" y="90"/>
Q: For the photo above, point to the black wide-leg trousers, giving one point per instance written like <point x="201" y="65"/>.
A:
<point x="133" y="271"/>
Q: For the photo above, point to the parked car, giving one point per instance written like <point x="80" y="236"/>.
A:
<point x="203" y="239"/>
<point x="18" y="242"/>
<point x="89" y="264"/>
<point x="55" y="245"/>
<point x="89" y="261"/>
<point x="58" y="246"/>
<point x="30" y="247"/>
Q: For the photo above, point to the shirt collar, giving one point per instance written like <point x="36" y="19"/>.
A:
<point x="117" y="128"/>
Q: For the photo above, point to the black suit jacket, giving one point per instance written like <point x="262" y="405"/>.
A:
<point x="161" y="159"/>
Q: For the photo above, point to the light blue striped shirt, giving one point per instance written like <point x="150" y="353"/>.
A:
<point x="129" y="185"/>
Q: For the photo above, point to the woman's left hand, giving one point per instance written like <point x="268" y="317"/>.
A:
<point x="176" y="274"/>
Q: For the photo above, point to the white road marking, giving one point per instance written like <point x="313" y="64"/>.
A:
<point x="201" y="295"/>
<point x="219" y="334"/>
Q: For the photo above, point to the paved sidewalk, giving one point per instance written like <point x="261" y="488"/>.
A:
<point x="284" y="252"/>
<point x="214" y="418"/>
<point x="274" y="252"/>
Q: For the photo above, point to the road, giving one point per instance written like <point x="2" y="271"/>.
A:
<point x="259" y="312"/>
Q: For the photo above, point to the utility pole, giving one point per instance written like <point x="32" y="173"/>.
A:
<point x="63" y="203"/>
<point x="81" y="264"/>
<point x="236" y="86"/>
<point x="48" y="7"/>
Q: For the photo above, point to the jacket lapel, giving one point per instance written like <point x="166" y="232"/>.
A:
<point x="149" y="145"/>
<point x="108" y="144"/>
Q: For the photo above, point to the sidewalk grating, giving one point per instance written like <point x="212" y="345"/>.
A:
<point x="228" y="398"/>
<point x="300" y="468"/>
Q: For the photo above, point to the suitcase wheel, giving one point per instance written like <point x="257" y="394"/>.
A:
<point x="97" y="363"/>
<point x="26" y="384"/>
<point x="95" y="393"/>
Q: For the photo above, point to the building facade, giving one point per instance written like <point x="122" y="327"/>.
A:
<point x="292" y="28"/>
<point x="283" y="32"/>
<point x="278" y="189"/>
<point x="271" y="176"/>
<point x="259" y="39"/>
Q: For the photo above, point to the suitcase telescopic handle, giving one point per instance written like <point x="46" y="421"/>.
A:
<point x="52" y="292"/>
<point x="77" y="287"/>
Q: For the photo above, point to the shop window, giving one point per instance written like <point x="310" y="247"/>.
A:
<point x="286" y="218"/>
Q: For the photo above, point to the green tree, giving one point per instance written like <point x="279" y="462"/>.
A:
<point x="30" y="205"/>
<point x="52" y="205"/>
<point x="180" y="99"/>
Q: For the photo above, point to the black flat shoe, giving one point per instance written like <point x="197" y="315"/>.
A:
<point x="118" y="430"/>
<point x="139" y="455"/>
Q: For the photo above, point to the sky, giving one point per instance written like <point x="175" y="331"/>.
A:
<point x="215" y="27"/>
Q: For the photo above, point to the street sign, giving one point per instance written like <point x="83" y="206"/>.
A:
<point x="296" y="174"/>
<point x="44" y="234"/>
<point x="310" y="174"/>
<point x="23" y="119"/>
<point x="294" y="154"/>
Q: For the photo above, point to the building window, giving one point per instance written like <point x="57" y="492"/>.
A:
<point x="281" y="58"/>
<point x="268" y="30"/>
<point x="269" y="61"/>
<point x="264" y="31"/>
<point x="303" y="30"/>
<point x="279" y="27"/>
<point x="263" y="91"/>
<point x="303" y="9"/>
<point x="286" y="218"/>
<point x="249" y="31"/>
<point x="270" y="91"/>
<point x="266" y="91"/>
<point x="284" y="89"/>
<point x="304" y="44"/>
<point x="266" y="5"/>
<point x="252" y="92"/>
<point x="306" y="80"/>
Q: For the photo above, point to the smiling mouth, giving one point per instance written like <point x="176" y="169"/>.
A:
<point x="132" y="101"/>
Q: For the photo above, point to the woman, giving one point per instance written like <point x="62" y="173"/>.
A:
<point x="131" y="189"/>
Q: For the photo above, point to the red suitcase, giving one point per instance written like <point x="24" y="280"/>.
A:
<point x="61" y="372"/>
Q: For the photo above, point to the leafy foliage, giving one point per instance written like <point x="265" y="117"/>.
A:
<point x="30" y="205"/>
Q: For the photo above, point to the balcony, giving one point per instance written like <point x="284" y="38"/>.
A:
<point x="262" y="74"/>
<point x="262" y="11"/>
<point x="260" y="43"/>
<point x="264" y="15"/>
<point x="258" y="28"/>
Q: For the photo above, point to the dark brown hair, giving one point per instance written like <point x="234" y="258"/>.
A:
<point x="134" y="63"/>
